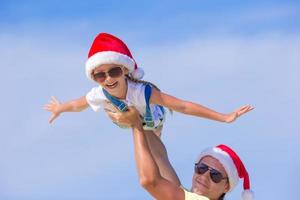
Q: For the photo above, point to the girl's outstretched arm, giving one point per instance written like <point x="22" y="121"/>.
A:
<point x="191" y="108"/>
<point x="56" y="108"/>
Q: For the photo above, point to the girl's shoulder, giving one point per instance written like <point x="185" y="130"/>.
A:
<point x="96" y="93"/>
<point x="135" y="92"/>
<point x="136" y="86"/>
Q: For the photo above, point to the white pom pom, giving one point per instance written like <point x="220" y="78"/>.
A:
<point x="138" y="73"/>
<point x="248" y="195"/>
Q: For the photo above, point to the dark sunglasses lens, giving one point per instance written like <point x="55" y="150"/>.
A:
<point x="100" y="76"/>
<point x="115" y="72"/>
<point x="201" y="168"/>
<point x="215" y="176"/>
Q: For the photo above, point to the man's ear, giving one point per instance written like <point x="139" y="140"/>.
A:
<point x="227" y="187"/>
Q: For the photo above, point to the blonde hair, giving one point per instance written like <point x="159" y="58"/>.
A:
<point x="141" y="81"/>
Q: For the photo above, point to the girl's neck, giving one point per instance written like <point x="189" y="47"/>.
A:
<point x="122" y="92"/>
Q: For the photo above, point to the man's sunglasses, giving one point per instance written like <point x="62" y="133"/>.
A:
<point x="114" y="72"/>
<point x="215" y="175"/>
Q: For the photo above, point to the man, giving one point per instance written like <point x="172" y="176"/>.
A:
<point x="217" y="169"/>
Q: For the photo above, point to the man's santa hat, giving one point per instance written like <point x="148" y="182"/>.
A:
<point x="108" y="49"/>
<point x="233" y="166"/>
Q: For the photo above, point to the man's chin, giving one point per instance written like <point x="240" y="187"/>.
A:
<point x="199" y="191"/>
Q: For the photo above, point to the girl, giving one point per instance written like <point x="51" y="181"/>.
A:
<point x="111" y="65"/>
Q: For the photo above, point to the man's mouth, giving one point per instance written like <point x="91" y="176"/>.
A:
<point x="201" y="183"/>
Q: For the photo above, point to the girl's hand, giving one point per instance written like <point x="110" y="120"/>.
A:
<point x="234" y="115"/>
<point x="54" y="107"/>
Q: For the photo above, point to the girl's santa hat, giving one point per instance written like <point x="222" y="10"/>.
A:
<point x="108" y="49"/>
<point x="233" y="166"/>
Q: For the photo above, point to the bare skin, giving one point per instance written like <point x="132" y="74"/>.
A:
<point x="202" y="183"/>
<point x="157" y="97"/>
<point x="198" y="110"/>
<point x="56" y="107"/>
<point x="160" y="187"/>
<point x="118" y="87"/>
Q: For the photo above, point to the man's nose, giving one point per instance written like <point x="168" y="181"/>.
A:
<point x="206" y="175"/>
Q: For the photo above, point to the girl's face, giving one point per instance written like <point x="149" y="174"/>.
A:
<point x="112" y="78"/>
<point x="203" y="183"/>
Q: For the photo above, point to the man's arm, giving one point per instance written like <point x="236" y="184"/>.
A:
<point x="148" y="170"/>
<point x="149" y="175"/>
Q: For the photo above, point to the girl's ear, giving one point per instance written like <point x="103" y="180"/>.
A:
<point x="126" y="71"/>
<point x="92" y="74"/>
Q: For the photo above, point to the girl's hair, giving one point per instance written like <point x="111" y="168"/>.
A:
<point x="141" y="81"/>
<point x="222" y="196"/>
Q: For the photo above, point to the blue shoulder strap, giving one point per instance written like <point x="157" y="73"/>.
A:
<point x="148" y="119"/>
<point x="115" y="101"/>
<point x="121" y="106"/>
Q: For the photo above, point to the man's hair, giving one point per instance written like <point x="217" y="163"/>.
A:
<point x="222" y="196"/>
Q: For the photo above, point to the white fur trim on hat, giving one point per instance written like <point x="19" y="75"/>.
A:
<point x="108" y="57"/>
<point x="226" y="162"/>
<point x="248" y="195"/>
<point x="137" y="73"/>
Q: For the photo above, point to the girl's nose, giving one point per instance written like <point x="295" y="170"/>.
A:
<point x="108" y="79"/>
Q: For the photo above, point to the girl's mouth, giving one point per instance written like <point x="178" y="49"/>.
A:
<point x="112" y="86"/>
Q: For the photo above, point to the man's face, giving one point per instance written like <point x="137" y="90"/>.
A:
<point x="204" y="185"/>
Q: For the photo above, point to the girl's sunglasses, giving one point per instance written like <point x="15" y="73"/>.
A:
<point x="215" y="175"/>
<point x="114" y="72"/>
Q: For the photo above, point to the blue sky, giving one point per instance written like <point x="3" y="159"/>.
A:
<point x="221" y="54"/>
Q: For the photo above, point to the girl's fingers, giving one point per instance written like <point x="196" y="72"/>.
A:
<point x="244" y="107"/>
<point x="52" y="118"/>
<point x="245" y="110"/>
<point x="47" y="108"/>
<point x="54" y="99"/>
<point x="240" y="109"/>
<point x="53" y="102"/>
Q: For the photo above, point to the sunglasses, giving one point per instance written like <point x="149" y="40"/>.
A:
<point x="215" y="175"/>
<point x="114" y="72"/>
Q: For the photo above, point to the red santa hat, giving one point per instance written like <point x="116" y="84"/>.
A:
<point x="108" y="49"/>
<point x="233" y="166"/>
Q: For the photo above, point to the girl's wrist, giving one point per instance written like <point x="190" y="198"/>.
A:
<point x="224" y="118"/>
<point x="60" y="109"/>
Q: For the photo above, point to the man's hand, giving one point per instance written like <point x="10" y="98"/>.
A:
<point x="129" y="118"/>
